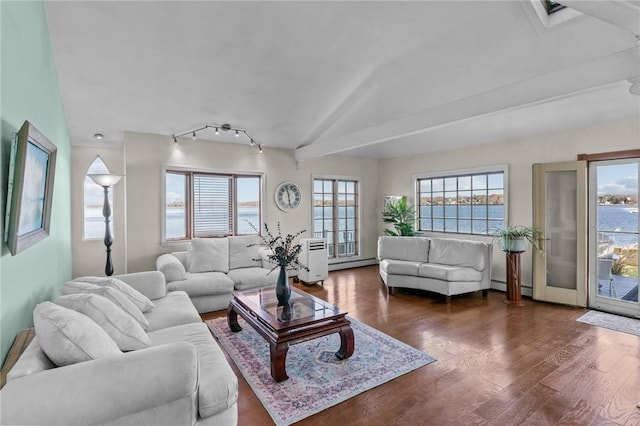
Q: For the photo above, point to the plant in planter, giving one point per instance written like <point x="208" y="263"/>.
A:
<point x="518" y="238"/>
<point x="402" y="216"/>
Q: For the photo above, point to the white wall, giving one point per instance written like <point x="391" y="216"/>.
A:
<point x="89" y="256"/>
<point x="146" y="154"/>
<point x="396" y="173"/>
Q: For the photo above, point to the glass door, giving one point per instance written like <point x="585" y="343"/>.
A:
<point x="613" y="236"/>
<point x="559" y="211"/>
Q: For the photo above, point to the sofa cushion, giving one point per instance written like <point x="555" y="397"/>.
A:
<point x="203" y="284"/>
<point x="243" y="252"/>
<point x="140" y="300"/>
<point x="458" y="253"/>
<point x="247" y="278"/>
<point x="217" y="383"/>
<point x="68" y="337"/>
<point x="117" y="297"/>
<point x="174" y="309"/>
<point x="208" y="254"/>
<point x="400" y="267"/>
<point x="120" y="326"/>
<point x="448" y="272"/>
<point x="403" y="248"/>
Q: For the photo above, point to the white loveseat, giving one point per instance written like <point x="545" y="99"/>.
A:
<point x="440" y="265"/>
<point x="181" y="378"/>
<point x="213" y="268"/>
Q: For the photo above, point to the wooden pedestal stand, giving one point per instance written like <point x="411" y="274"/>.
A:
<point x="514" y="290"/>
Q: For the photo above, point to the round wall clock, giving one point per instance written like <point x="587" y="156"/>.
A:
<point x="288" y="196"/>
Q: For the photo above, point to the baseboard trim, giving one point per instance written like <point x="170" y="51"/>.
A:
<point x="352" y="264"/>
<point x="502" y="286"/>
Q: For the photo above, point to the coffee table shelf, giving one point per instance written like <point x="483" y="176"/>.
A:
<point x="305" y="317"/>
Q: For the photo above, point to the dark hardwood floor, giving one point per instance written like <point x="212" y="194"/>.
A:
<point x="497" y="364"/>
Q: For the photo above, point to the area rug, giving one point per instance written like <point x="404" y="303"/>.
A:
<point x="612" y="322"/>
<point x="317" y="378"/>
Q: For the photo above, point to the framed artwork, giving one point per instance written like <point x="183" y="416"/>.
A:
<point x="390" y="199"/>
<point x="29" y="196"/>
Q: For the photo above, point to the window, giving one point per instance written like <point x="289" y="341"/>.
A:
<point x="469" y="203"/>
<point x="552" y="6"/>
<point x="93" y="201"/>
<point x="199" y="204"/>
<point x="335" y="215"/>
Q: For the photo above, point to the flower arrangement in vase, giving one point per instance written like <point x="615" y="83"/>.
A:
<point x="284" y="252"/>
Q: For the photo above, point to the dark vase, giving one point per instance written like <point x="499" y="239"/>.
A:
<point x="283" y="289"/>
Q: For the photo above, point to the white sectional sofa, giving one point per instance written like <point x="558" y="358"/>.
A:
<point x="445" y="266"/>
<point x="181" y="378"/>
<point x="213" y="268"/>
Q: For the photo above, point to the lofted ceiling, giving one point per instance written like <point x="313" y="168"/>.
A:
<point x="376" y="78"/>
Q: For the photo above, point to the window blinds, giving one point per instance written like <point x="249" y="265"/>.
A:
<point x="212" y="205"/>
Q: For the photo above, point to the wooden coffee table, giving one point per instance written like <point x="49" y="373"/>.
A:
<point x="305" y="317"/>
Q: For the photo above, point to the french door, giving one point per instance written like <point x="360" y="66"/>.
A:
<point x="613" y="234"/>
<point x="560" y="212"/>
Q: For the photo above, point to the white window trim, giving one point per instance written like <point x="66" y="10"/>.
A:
<point x="504" y="168"/>
<point x="163" y="194"/>
<point x="358" y="179"/>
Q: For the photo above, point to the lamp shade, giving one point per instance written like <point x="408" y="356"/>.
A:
<point x="105" y="180"/>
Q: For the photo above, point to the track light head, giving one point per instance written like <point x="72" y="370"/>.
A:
<point x="193" y="135"/>
<point x="252" y="142"/>
<point x="259" y="148"/>
<point x="217" y="132"/>
<point x="175" y="140"/>
<point x="237" y="134"/>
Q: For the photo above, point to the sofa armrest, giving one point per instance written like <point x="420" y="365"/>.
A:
<point x="150" y="283"/>
<point x="103" y="390"/>
<point x="171" y="267"/>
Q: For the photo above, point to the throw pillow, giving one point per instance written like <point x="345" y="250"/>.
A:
<point x="208" y="255"/>
<point x="140" y="300"/>
<point x="117" y="297"/>
<point x="68" y="337"/>
<point x="122" y="327"/>
<point x="243" y="252"/>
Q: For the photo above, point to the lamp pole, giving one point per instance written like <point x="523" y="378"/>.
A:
<point x="108" y="239"/>
<point x="107" y="181"/>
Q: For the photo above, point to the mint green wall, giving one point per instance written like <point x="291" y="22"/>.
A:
<point x="30" y="91"/>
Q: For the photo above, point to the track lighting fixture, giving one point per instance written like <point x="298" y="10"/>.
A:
<point x="217" y="127"/>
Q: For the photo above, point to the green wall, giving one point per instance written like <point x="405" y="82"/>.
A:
<point x="29" y="90"/>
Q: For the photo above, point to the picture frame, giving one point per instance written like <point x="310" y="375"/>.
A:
<point x="390" y="199"/>
<point x="30" y="191"/>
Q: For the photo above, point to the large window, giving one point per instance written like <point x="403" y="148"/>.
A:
<point x="465" y="203"/>
<point x="335" y="215"/>
<point x="209" y="204"/>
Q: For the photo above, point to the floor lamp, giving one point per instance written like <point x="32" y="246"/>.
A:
<point x="107" y="181"/>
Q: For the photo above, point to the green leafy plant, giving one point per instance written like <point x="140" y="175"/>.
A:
<point x="282" y="250"/>
<point x="402" y="216"/>
<point x="519" y="236"/>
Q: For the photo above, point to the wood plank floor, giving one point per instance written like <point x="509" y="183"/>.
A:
<point x="497" y="364"/>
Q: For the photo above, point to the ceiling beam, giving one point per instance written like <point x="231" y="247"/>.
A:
<point x="539" y="89"/>
<point x="621" y="13"/>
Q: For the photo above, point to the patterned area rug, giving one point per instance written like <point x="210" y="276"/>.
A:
<point x="317" y="379"/>
<point x="612" y="322"/>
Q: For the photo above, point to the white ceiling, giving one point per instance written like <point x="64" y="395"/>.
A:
<point x="360" y="78"/>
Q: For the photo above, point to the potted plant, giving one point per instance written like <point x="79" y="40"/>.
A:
<point x="518" y="238"/>
<point x="283" y="253"/>
<point x="402" y="216"/>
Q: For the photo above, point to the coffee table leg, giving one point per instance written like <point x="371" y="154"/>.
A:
<point x="278" y="361"/>
<point x="232" y="319"/>
<point x="346" y="342"/>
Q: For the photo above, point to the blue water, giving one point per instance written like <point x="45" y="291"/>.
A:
<point x="619" y="223"/>
<point x="615" y="221"/>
